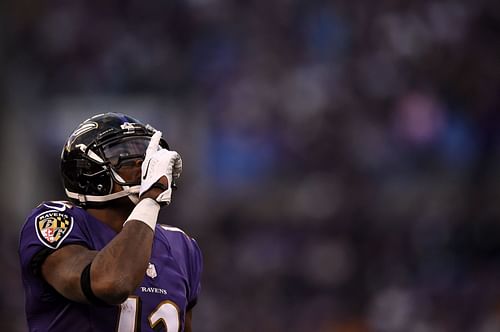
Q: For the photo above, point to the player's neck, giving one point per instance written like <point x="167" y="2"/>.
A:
<point x="113" y="214"/>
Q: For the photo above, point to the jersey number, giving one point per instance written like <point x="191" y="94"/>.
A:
<point x="165" y="316"/>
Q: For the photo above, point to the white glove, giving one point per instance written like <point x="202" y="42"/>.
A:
<point x="159" y="162"/>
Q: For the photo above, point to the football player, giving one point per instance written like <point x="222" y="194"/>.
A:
<point x="100" y="261"/>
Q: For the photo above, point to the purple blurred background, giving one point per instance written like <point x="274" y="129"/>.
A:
<point x="342" y="158"/>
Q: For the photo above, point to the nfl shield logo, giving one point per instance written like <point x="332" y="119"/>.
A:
<point x="151" y="271"/>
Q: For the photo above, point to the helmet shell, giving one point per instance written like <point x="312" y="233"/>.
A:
<point x="85" y="170"/>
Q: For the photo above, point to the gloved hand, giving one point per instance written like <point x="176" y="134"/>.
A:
<point x="159" y="163"/>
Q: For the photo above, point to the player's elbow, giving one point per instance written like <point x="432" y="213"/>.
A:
<point x="113" y="291"/>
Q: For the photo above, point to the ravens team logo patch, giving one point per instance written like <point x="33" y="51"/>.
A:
<point x="52" y="227"/>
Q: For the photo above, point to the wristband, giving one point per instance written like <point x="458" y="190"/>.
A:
<point x="145" y="211"/>
<point x="87" y="287"/>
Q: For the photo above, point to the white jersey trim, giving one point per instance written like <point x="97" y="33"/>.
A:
<point x="173" y="229"/>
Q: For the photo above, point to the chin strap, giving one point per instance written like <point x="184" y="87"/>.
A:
<point x="132" y="192"/>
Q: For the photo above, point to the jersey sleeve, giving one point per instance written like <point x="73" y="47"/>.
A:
<point x="196" y="268"/>
<point x="49" y="227"/>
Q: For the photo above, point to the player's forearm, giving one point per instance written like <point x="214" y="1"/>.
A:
<point x="118" y="268"/>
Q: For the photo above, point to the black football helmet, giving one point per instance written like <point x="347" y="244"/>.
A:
<point x="95" y="150"/>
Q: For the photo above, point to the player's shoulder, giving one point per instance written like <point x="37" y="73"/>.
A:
<point x="174" y="236"/>
<point x="53" y="221"/>
<point x="183" y="248"/>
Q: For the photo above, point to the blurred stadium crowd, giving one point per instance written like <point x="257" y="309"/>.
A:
<point x="342" y="157"/>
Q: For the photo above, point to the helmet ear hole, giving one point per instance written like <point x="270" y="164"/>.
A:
<point x="98" y="184"/>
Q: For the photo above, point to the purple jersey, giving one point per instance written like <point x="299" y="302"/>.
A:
<point x="169" y="288"/>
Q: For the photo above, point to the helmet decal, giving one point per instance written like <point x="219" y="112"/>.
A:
<point x="84" y="128"/>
